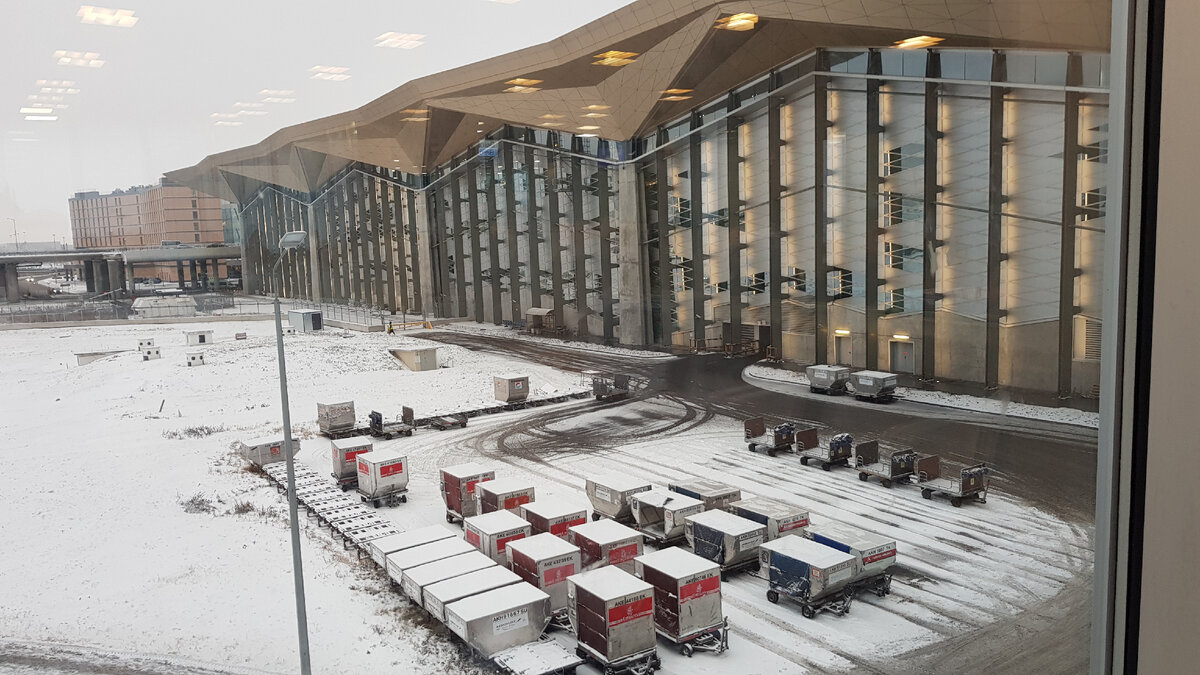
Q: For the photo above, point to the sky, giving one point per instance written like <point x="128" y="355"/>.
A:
<point x="146" y="99"/>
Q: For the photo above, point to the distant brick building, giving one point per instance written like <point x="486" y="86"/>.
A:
<point x="145" y="216"/>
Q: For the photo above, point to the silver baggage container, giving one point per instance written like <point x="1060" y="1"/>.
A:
<point x="436" y="596"/>
<point x="384" y="546"/>
<point x="415" y="579"/>
<point x="499" y="619"/>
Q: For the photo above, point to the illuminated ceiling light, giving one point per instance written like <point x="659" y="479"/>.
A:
<point x="276" y="92"/>
<point x="103" y="16"/>
<point x="918" y="42"/>
<point x="841" y="331"/>
<point x="414" y="119"/>
<point x="595" y="106"/>
<point x="224" y="123"/>
<point x="588" y="128"/>
<point x="523" y="82"/>
<point x="900" y="336"/>
<point x="36" y="111"/>
<point x="81" y="59"/>
<point x="400" y="40"/>
<point x="521" y="90"/>
<point x="674" y="98"/>
<point x="587" y="135"/>
<point x="551" y="124"/>
<point x="676" y="92"/>
<point x="58" y="90"/>
<point x="251" y="113"/>
<point x="596" y="115"/>
<point x="416" y="111"/>
<point x="550" y="116"/>
<point x="277" y="99"/>
<point x="59" y="106"/>
<point x="614" y="58"/>
<point x="334" y="73"/>
<point x="55" y="83"/>
<point x="738" y="22"/>
<point x="41" y="118"/>
<point x="247" y="104"/>
<point x="42" y="98"/>
<point x="223" y="116"/>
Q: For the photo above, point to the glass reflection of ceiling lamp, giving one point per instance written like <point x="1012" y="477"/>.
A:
<point x="416" y="111"/>
<point x="614" y="58"/>
<point x="918" y="42"/>
<point x="400" y="40"/>
<point x="738" y="22"/>
<point x="80" y="59"/>
<point x="588" y="128"/>
<point x="103" y="16"/>
<point x="675" y="97"/>
<point x="595" y="106"/>
<point x="519" y="89"/>
<point x="551" y="124"/>
<point x="333" y="73"/>
<point x="596" y="115"/>
<point x="523" y="82"/>
<point x="414" y="119"/>
<point x="550" y="116"/>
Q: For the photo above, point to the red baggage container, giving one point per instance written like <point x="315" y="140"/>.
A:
<point x="606" y="542"/>
<point x="503" y="494"/>
<point x="553" y="516"/>
<point x="458" y="488"/>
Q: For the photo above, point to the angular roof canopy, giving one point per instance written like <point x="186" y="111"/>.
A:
<point x="611" y="74"/>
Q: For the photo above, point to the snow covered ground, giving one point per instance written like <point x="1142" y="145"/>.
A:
<point x="513" y="334"/>
<point x="136" y="529"/>
<point x="961" y="401"/>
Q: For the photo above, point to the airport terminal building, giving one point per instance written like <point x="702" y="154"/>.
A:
<point x="920" y="192"/>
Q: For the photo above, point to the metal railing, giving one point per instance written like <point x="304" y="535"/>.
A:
<point x="207" y="305"/>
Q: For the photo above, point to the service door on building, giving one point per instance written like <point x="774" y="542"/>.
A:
<point x="842" y="350"/>
<point x="902" y="357"/>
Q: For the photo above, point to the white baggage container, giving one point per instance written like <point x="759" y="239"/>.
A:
<point x="546" y="561"/>
<point x="714" y="494"/>
<point x="779" y="517"/>
<point x="408" y="558"/>
<point x="687" y="592"/>
<point x="803" y="569"/>
<point x="726" y="539"/>
<point x="381" y="474"/>
<point x="612" y="613"/>
<point x="381" y="548"/>
<point x="496" y="620"/>
<point x="827" y="379"/>
<point x="491" y="532"/>
<point x="874" y="384"/>
<point x="610" y="495"/>
<point x="507" y="494"/>
<point x="435" y="597"/>
<point x="262" y="451"/>
<point x="606" y="542"/>
<point x="873" y="553"/>
<point x="660" y="514"/>
<point x="415" y="579"/>
<point x="333" y="417"/>
<point x="552" y="515"/>
<point x="345" y="451"/>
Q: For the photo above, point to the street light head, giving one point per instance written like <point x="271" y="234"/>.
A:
<point x="293" y="240"/>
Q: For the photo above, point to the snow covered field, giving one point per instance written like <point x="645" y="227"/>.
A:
<point x="135" y="529"/>
<point x="961" y="401"/>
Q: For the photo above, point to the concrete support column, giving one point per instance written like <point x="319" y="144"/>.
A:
<point x="216" y="274"/>
<point x="115" y="270"/>
<point x="194" y="277"/>
<point x="204" y="274"/>
<point x="179" y="273"/>
<point x="631" y="257"/>
<point x="12" y="290"/>
<point x="414" y="248"/>
<point x="89" y="276"/>
<point x="129" y="283"/>
<point x="103" y="278"/>
<point x="419" y="210"/>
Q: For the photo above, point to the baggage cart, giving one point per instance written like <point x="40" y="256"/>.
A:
<point x="659" y="515"/>
<point x="499" y="619"/>
<point x="380" y="428"/>
<point x="396" y="563"/>
<point x="606" y="542"/>
<point x="779" y="517"/>
<point x="896" y="467"/>
<point x="444" y="422"/>
<point x="837" y="453"/>
<point x="610" y="388"/>
<point x="609" y="496"/>
<point x="262" y="451"/>
<point x="543" y="657"/>
<point x="458" y="489"/>
<point x="511" y="387"/>
<point x="827" y="379"/>
<point x="813" y="575"/>
<point x="362" y="539"/>
<point x="345" y="466"/>
<point x="415" y="579"/>
<point x="436" y="596"/>
<point x="715" y="495"/>
<point x="612" y="614"/>
<point x="383" y="477"/>
<point x="336" y="420"/>
<point x="728" y="540"/>
<point x="545" y="561"/>
<point x="552" y="515"/>
<point x="384" y="546"/>
<point x="971" y="481"/>
<point x="503" y="494"/>
<point x="779" y="438"/>
<point x="874" y="385"/>
<point x="687" y="599"/>
<point x="491" y="533"/>
<point x="874" y="555"/>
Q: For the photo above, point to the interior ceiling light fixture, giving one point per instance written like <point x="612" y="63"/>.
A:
<point x="55" y="83"/>
<point x="550" y="116"/>
<point x="588" y="128"/>
<point x="587" y="135"/>
<point x="918" y="42"/>
<point x="400" y="40"/>
<point x="80" y="59"/>
<point x="505" y="2"/>
<point x="277" y="99"/>
<point x="43" y="97"/>
<point x="523" y="82"/>
<point x="223" y="116"/>
<point x="416" y="111"/>
<point x="595" y="106"/>
<point x="36" y="111"/>
<point x="674" y="92"/>
<point x="675" y="97"/>
<point x="614" y="58"/>
<point x="225" y="123"/>
<point x="247" y="104"/>
<point x="551" y="124"/>
<point x="58" y="90"/>
<point x="41" y="118"/>
<point x="275" y="92"/>
<point x="738" y="22"/>
<point x="519" y="89"/>
<point x="103" y="16"/>
<point x="334" y="73"/>
<point x="254" y="113"/>
<point x="414" y="119"/>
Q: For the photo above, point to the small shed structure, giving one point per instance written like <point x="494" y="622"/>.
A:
<point x="305" y="320"/>
<point x="195" y="359"/>
<point x="540" y="320"/>
<point x="417" y="359"/>
<point x="198" y="337"/>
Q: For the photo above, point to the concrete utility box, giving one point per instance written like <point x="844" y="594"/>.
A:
<point x="305" y="320"/>
<point x="144" y="343"/>
<point x="546" y="561"/>
<point x="262" y="451"/>
<point x="288" y="330"/>
<point x="198" y="337"/>
<point x="512" y="388"/>
<point x="507" y="494"/>
<point x="417" y="360"/>
<point x="612" y="612"/>
<point x="333" y="417"/>
<point x="195" y="359"/>
<point x="148" y="307"/>
<point x="149" y="353"/>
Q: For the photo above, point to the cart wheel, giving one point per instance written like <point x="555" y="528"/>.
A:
<point x="771" y="452"/>
<point x="825" y="465"/>
<point x="408" y="433"/>
<point x="580" y="653"/>
<point x="804" y="461"/>
<point x="687" y="650"/>
<point x="773" y="597"/>
<point x="751" y="446"/>
<point x="808" y="611"/>
<point x="862" y="476"/>
<point x="956" y="501"/>
<point x="595" y="516"/>
<point x="375" y="503"/>
<point x="927" y="493"/>
<point x="403" y="499"/>
<point x="449" y="518"/>
<point x="846" y="609"/>
<point x="886" y="483"/>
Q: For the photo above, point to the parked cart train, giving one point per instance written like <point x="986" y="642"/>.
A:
<point x="896" y="467"/>
<point x="837" y="453"/>
<point x="971" y="481"/>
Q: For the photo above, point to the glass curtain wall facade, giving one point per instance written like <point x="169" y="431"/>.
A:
<point x="933" y="212"/>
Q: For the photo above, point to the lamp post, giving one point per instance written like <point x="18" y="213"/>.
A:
<point x="290" y="241"/>
<point x="16" y="242"/>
